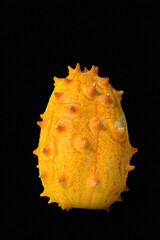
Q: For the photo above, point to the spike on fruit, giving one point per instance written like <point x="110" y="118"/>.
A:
<point x="103" y="82"/>
<point x="78" y="68"/>
<point x="85" y="70"/>
<point x="134" y="150"/>
<point x="126" y="189"/>
<point x="61" y="177"/>
<point x="117" y="197"/>
<point x="129" y="167"/>
<point x="119" y="131"/>
<point x="95" y="124"/>
<point x="105" y="98"/>
<point x="44" y="194"/>
<point x="90" y="90"/>
<point x="80" y="165"/>
<point x="81" y="143"/>
<point x="40" y="123"/>
<point x="57" y="96"/>
<point x="43" y="173"/>
<point x="59" y="127"/>
<point x="71" y="108"/>
<point x="93" y="70"/>
<point x="47" y="149"/>
<point x="35" y="152"/>
<point x="64" y="81"/>
<point x="120" y="93"/>
<point x="56" y="79"/>
<point x="42" y="116"/>
<point x="94" y="182"/>
<point x="71" y="70"/>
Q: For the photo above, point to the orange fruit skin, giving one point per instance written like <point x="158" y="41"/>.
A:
<point x="84" y="150"/>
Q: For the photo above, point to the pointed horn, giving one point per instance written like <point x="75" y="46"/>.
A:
<point x="56" y="79"/>
<point x="40" y="123"/>
<point x="129" y="167"/>
<point x="57" y="95"/>
<point x="35" y="152"/>
<point x="94" y="70"/>
<point x="78" y="68"/>
<point x="90" y="90"/>
<point x="47" y="148"/>
<point x="126" y="189"/>
<point x="120" y="93"/>
<point x="103" y="82"/>
<point x="85" y="69"/>
<point x="42" y="116"/>
<point x="134" y="150"/>
<point x="43" y="194"/>
<point x="71" y="70"/>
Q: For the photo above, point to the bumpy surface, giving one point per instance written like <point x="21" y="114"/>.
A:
<point x="84" y="150"/>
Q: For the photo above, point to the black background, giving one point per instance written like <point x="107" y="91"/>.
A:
<point x="40" y="41"/>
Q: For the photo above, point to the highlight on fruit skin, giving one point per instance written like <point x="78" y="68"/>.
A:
<point x="84" y="150"/>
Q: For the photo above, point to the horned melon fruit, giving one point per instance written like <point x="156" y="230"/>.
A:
<point x="84" y="150"/>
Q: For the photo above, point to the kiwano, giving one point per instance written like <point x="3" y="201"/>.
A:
<point x="84" y="150"/>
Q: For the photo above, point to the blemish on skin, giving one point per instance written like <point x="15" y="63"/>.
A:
<point x="109" y="165"/>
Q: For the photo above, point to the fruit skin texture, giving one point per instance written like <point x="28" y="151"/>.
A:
<point x="84" y="150"/>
